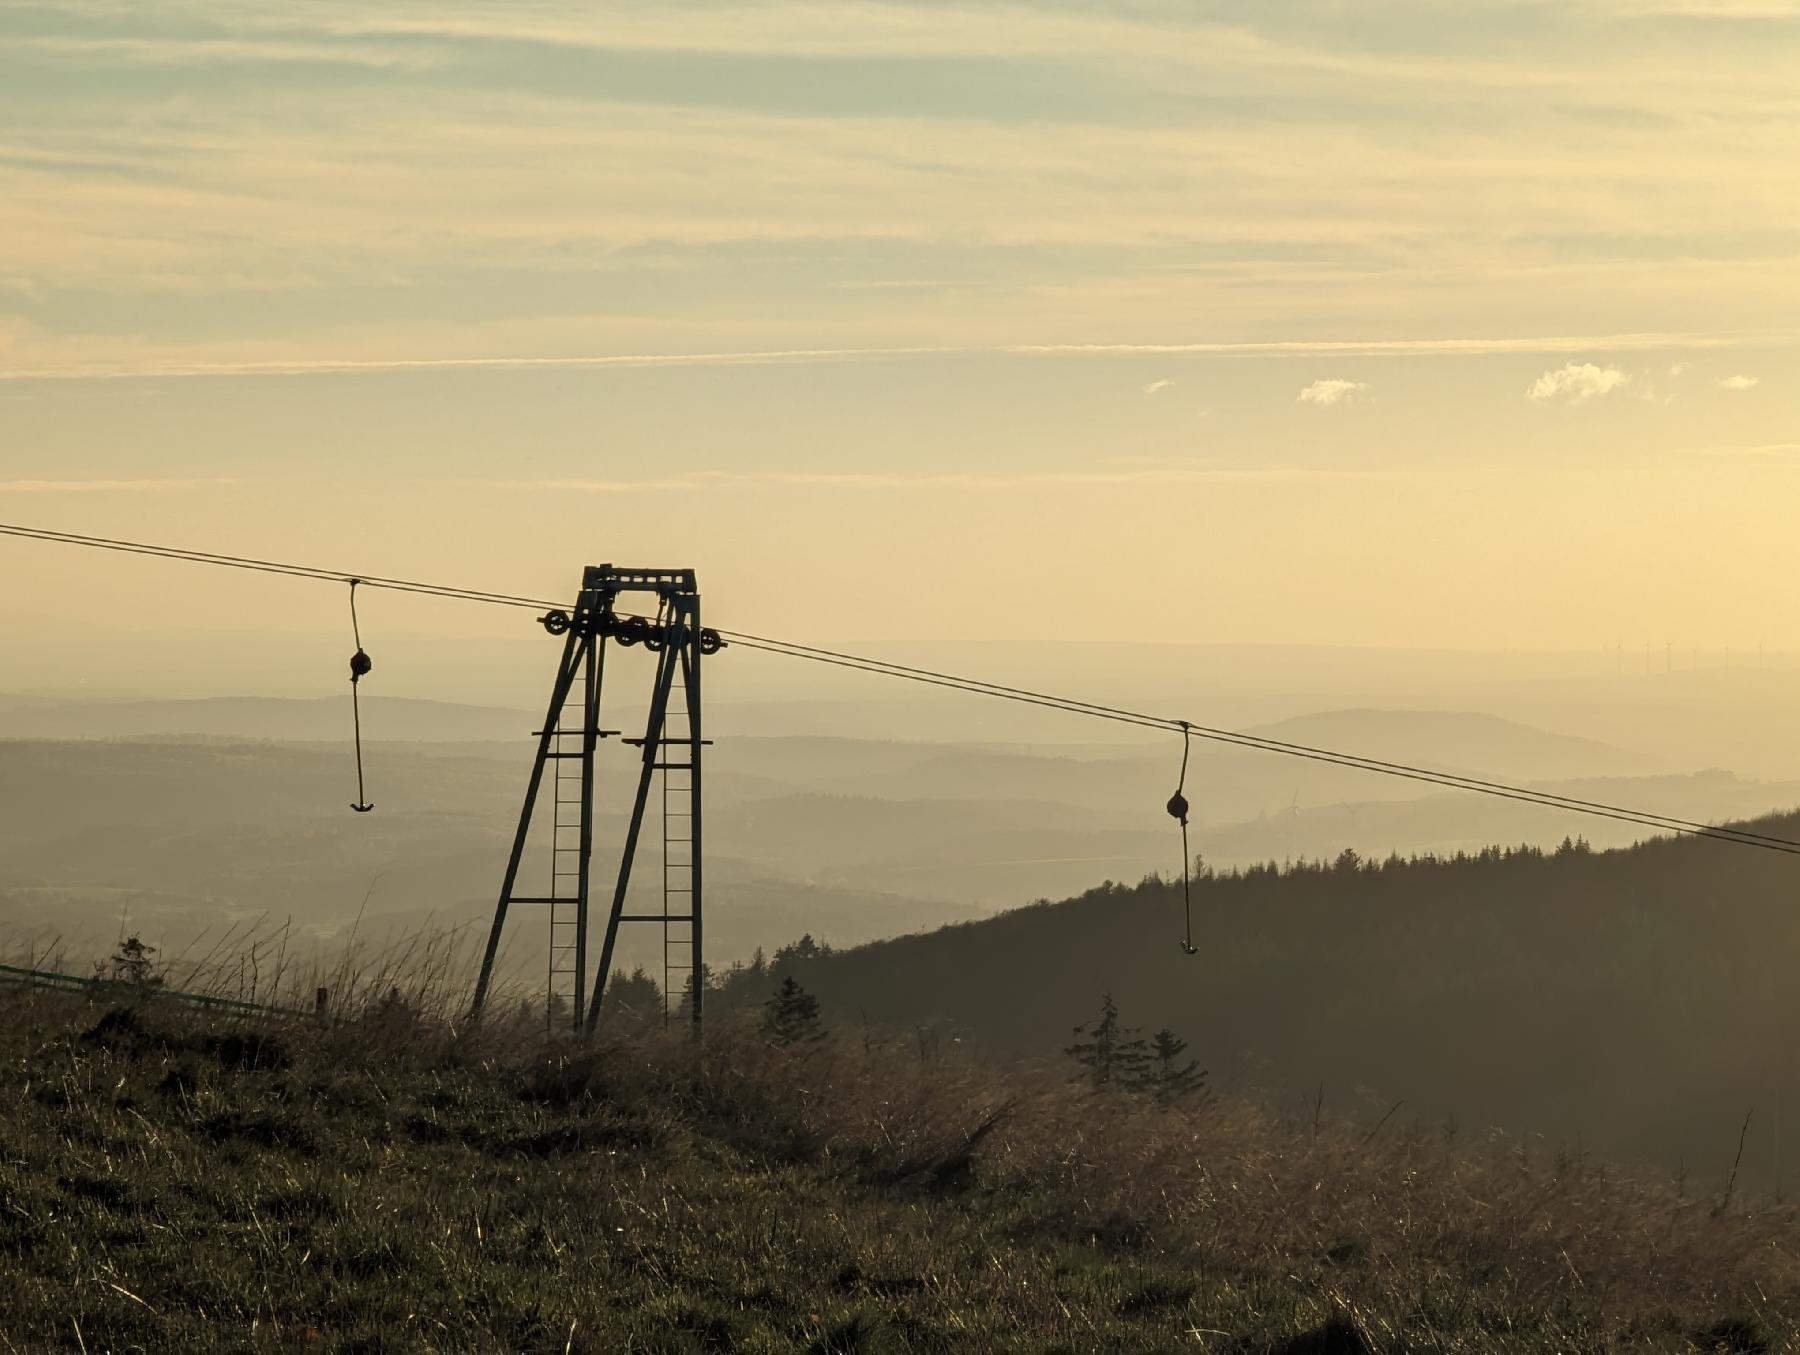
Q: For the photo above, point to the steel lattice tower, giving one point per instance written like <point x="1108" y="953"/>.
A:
<point x="671" y="748"/>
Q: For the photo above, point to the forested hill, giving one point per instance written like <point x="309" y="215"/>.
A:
<point x="1636" y="1002"/>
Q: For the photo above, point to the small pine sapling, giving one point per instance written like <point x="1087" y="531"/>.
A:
<point x="133" y="963"/>
<point x="791" y="1016"/>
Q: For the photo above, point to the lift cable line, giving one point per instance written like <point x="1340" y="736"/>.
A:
<point x="273" y="567"/>
<point x="977" y="687"/>
<point x="1259" y="743"/>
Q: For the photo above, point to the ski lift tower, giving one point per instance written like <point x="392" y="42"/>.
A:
<point x="670" y="761"/>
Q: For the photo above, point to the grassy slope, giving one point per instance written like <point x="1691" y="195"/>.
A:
<point x="386" y="1185"/>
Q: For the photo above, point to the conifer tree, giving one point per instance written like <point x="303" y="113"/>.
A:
<point x="1165" y="1076"/>
<point x="134" y="963"/>
<point x="791" y="1016"/>
<point x="633" y="998"/>
<point x="684" y="1009"/>
<point x="801" y="952"/>
<point x="1112" y="1053"/>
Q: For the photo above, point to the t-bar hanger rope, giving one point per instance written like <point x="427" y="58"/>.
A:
<point x="1178" y="810"/>
<point x="360" y="667"/>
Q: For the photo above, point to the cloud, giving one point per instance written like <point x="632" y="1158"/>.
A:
<point x="106" y="486"/>
<point x="1156" y="386"/>
<point x="1176" y="462"/>
<point x="1119" y="472"/>
<point x="175" y="365"/>
<point x="1576" y="383"/>
<point x="1703" y="9"/>
<point x="512" y="158"/>
<point x="1678" y="368"/>
<point x="191" y="51"/>
<point x="1766" y="451"/>
<point x="1333" y="391"/>
<point x="1383" y="348"/>
<point x="1739" y="382"/>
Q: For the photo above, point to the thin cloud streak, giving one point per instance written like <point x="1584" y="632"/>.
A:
<point x="1754" y="10"/>
<point x="1165" y="462"/>
<point x="700" y="481"/>
<point x="1767" y="451"/>
<point x="1373" y="348"/>
<point x="107" y="486"/>
<point x="1165" y="37"/>
<point x="206" y="51"/>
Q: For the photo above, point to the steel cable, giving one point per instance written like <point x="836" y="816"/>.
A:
<point x="972" y="686"/>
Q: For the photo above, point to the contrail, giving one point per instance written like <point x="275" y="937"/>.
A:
<point x="1448" y="347"/>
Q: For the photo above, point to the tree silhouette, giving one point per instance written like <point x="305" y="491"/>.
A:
<point x="1112" y="1053"/>
<point x="792" y="1015"/>
<point x="134" y="963"/>
<point x="633" y="999"/>
<point x="709" y="985"/>
<point x="801" y="952"/>
<point x="1166" y="1077"/>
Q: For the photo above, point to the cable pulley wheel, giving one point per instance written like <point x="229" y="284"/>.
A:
<point x="710" y="643"/>
<point x="556" y="622"/>
<point x="633" y="630"/>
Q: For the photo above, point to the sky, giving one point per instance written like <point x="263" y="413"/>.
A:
<point x="1401" y="323"/>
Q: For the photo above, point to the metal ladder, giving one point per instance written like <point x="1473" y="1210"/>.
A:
<point x="565" y="862"/>
<point x="675" y="762"/>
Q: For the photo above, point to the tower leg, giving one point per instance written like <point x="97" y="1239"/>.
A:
<point x="575" y="651"/>
<point x="653" y="729"/>
<point x="690" y="671"/>
<point x="592" y="673"/>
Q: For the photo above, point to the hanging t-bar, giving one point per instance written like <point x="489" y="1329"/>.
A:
<point x="361" y="665"/>
<point x="1178" y="810"/>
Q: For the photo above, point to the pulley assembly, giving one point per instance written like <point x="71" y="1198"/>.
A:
<point x="629" y="630"/>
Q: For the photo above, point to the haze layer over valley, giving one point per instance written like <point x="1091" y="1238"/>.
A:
<point x="840" y="806"/>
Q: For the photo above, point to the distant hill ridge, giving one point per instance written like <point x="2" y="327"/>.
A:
<point x="1466" y="741"/>
<point x="262" y="718"/>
